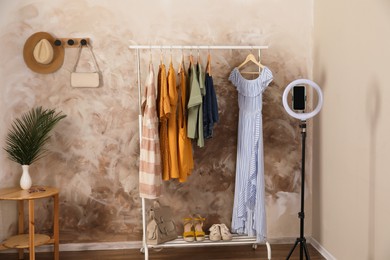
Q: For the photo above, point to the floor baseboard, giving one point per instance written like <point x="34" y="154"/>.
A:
<point x="138" y="245"/>
<point x="325" y="253"/>
<point x="87" y="246"/>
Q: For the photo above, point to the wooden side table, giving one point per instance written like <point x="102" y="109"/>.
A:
<point x="31" y="240"/>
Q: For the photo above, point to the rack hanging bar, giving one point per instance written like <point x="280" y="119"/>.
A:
<point x="200" y="47"/>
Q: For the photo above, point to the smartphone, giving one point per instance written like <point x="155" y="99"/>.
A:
<point x="299" y="98"/>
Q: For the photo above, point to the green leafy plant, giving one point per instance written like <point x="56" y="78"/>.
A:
<point x="29" y="133"/>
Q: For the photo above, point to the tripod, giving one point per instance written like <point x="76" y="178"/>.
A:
<point x="301" y="240"/>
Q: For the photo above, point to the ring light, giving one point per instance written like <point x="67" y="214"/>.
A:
<point x="302" y="116"/>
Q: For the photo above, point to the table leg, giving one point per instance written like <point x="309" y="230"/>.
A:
<point x="21" y="224"/>
<point x="31" y="228"/>
<point x="56" y="230"/>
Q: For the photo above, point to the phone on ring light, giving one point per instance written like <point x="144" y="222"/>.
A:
<point x="299" y="98"/>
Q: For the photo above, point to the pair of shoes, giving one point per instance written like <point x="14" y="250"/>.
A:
<point x="220" y="232"/>
<point x="193" y="229"/>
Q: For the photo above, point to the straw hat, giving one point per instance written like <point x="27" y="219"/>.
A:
<point x="41" y="55"/>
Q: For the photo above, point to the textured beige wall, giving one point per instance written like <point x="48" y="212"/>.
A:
<point x="94" y="156"/>
<point x="350" y="195"/>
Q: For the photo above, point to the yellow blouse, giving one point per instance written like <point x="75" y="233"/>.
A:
<point x="186" y="161"/>
<point x="164" y="111"/>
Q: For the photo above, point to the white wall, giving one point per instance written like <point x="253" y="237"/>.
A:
<point x="351" y="211"/>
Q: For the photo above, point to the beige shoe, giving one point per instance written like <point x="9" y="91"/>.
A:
<point x="225" y="233"/>
<point x="215" y="233"/>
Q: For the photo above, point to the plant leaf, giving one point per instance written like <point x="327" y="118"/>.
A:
<point x="29" y="133"/>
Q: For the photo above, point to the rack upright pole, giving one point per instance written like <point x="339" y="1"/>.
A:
<point x="144" y="248"/>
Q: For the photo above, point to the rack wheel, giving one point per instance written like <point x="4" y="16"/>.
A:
<point x="142" y="250"/>
<point x="254" y="246"/>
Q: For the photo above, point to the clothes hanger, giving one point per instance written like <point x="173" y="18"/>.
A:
<point x="191" y="58"/>
<point x="198" y="61"/>
<point x="251" y="58"/>
<point x="181" y="62"/>
<point x="161" y="56"/>
<point x="150" y="55"/>
<point x="170" y="52"/>
<point x="208" y="66"/>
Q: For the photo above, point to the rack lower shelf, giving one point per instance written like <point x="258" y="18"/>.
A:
<point x="237" y="240"/>
<point x="22" y="241"/>
<point x="180" y="242"/>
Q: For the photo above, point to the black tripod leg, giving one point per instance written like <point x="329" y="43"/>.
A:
<point x="292" y="249"/>
<point x="306" y="251"/>
<point x="301" y="248"/>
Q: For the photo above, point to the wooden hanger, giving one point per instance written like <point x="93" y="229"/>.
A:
<point x="161" y="56"/>
<point x="251" y="58"/>
<point x="191" y="59"/>
<point x="181" y="62"/>
<point x="208" y="66"/>
<point x="170" y="53"/>
<point x="150" y="56"/>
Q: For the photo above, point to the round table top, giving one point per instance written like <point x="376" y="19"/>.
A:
<point x="22" y="241"/>
<point x="35" y="192"/>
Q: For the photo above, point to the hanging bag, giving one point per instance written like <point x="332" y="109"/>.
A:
<point x="161" y="228"/>
<point x="85" y="79"/>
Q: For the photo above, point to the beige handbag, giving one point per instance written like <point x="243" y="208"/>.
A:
<point x="85" y="79"/>
<point x="161" y="227"/>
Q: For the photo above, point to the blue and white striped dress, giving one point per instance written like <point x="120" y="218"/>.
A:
<point x="249" y="206"/>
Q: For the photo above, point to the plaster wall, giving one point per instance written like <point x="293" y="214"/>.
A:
<point x="94" y="151"/>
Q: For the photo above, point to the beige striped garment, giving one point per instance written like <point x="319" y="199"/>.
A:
<point x="150" y="179"/>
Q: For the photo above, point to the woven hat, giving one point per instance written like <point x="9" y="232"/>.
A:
<point x="41" y="55"/>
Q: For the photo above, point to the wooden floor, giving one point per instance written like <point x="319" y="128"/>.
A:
<point x="198" y="253"/>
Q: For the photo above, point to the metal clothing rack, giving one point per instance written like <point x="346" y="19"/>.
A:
<point x="237" y="240"/>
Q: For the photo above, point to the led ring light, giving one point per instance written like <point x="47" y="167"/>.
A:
<point x="302" y="116"/>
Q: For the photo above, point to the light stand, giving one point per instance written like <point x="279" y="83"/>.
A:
<point x="301" y="240"/>
<point x="301" y="215"/>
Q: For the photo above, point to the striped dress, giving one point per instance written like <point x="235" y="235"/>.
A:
<point x="249" y="206"/>
<point x="150" y="160"/>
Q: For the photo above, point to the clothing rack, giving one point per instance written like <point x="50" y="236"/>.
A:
<point x="237" y="240"/>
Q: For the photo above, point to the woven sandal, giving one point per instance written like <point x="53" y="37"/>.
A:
<point x="188" y="234"/>
<point x="198" y="225"/>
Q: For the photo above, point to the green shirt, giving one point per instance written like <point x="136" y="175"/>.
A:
<point x="195" y="113"/>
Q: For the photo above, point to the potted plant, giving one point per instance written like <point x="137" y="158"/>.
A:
<point x="27" y="137"/>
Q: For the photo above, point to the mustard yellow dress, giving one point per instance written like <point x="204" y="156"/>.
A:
<point x="164" y="111"/>
<point x="186" y="160"/>
<point x="172" y="125"/>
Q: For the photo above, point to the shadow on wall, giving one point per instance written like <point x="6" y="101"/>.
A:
<point x="373" y="107"/>
<point x="320" y="78"/>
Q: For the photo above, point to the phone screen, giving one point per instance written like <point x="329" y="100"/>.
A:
<point x="299" y="98"/>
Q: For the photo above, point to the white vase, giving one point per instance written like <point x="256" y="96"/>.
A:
<point x="25" y="180"/>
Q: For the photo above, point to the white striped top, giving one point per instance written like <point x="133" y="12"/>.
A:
<point x="249" y="206"/>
